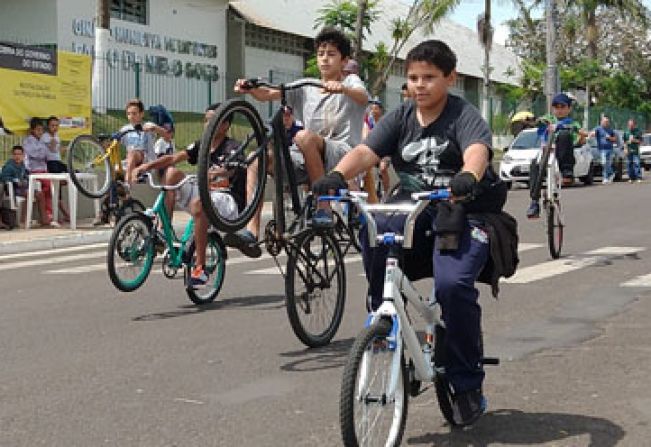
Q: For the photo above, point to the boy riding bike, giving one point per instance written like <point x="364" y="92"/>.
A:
<point x="436" y="140"/>
<point x="331" y="117"/>
<point x="229" y="197"/>
<point x="569" y="135"/>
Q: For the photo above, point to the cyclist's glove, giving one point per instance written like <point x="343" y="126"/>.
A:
<point x="333" y="181"/>
<point x="464" y="185"/>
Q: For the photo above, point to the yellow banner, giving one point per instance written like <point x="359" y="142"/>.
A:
<point x="66" y="95"/>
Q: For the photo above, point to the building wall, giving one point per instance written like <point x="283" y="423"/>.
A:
<point x="29" y="21"/>
<point x="170" y="74"/>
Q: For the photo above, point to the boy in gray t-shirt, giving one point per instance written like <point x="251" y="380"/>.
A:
<point x="332" y="116"/>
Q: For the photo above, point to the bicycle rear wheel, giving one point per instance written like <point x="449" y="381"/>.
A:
<point x="215" y="268"/>
<point x="131" y="252"/>
<point x="368" y="415"/>
<point x="315" y="285"/>
<point x="239" y="121"/>
<point x="554" y="228"/>
<point x="86" y="155"/>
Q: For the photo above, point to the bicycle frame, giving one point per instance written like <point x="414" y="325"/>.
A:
<point x="175" y="245"/>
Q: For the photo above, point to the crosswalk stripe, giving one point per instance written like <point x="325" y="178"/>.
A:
<point x="54" y="260"/>
<point x="639" y="281"/>
<point x="101" y="267"/>
<point x="571" y="263"/>
<point x="31" y="254"/>
<point x="526" y="246"/>
<point x="274" y="270"/>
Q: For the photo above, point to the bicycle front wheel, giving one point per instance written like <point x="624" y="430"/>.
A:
<point x="215" y="268"/>
<point x="129" y="206"/>
<point x="86" y="155"/>
<point x="315" y="285"/>
<point x="369" y="414"/>
<point x="554" y="228"/>
<point x="240" y="123"/>
<point x="131" y="252"/>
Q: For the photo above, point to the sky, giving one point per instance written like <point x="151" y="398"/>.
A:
<point x="501" y="10"/>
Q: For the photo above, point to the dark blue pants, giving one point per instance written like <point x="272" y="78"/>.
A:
<point x="454" y="285"/>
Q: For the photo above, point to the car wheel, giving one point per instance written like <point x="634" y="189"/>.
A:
<point x="619" y="171"/>
<point x="588" y="179"/>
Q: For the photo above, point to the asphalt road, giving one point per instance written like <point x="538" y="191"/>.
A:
<point x="86" y="365"/>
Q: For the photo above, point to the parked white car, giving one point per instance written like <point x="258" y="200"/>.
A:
<point x="645" y="151"/>
<point x="515" y="163"/>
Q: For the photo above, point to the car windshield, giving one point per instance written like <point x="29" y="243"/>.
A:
<point x="526" y="140"/>
<point x="646" y="139"/>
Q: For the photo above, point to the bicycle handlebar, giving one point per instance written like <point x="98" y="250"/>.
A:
<point x="412" y="209"/>
<point x="257" y="82"/>
<point x="150" y="178"/>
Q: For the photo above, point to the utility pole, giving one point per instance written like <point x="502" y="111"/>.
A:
<point x="102" y="35"/>
<point x="485" y="32"/>
<point x="552" y="84"/>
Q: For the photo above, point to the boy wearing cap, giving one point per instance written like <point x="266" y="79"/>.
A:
<point x="569" y="135"/>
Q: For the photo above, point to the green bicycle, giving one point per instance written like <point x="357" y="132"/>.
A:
<point x="135" y="241"/>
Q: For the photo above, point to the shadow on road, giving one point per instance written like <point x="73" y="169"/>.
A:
<point x="191" y="309"/>
<point x="520" y="428"/>
<point x="317" y="359"/>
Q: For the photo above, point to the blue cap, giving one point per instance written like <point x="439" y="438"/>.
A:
<point x="562" y="98"/>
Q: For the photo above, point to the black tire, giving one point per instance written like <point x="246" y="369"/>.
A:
<point x="87" y="155"/>
<point x="618" y="167"/>
<point x="509" y="185"/>
<point x="372" y="341"/>
<point x="131" y="248"/>
<point x="315" y="272"/>
<point x="554" y="229"/>
<point x="129" y="206"/>
<point x="215" y="268"/>
<point x="246" y="127"/>
<point x="588" y="179"/>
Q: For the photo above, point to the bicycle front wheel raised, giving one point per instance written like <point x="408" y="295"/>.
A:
<point x="215" y="268"/>
<point x="238" y="122"/>
<point x="554" y="228"/>
<point x="369" y="413"/>
<point x="315" y="285"/>
<point x="131" y="252"/>
<point x="86" y="155"/>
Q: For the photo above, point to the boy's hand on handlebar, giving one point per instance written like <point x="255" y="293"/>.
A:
<point x="242" y="86"/>
<point x="464" y="185"/>
<point x="333" y="87"/>
<point x="329" y="183"/>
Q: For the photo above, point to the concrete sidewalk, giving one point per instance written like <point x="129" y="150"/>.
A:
<point x="20" y="240"/>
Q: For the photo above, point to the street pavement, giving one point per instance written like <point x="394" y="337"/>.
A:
<point x="85" y="365"/>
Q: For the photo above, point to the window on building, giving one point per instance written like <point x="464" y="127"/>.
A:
<point x="130" y="10"/>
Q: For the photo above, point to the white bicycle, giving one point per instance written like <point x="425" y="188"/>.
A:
<point x="388" y="362"/>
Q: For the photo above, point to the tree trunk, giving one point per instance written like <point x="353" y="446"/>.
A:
<point x="592" y="33"/>
<point x="102" y="35"/>
<point x="359" y="29"/>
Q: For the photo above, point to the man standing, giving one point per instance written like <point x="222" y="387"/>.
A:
<point x="605" y="138"/>
<point x="632" y="139"/>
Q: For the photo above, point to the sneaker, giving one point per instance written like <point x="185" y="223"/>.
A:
<point x="322" y="218"/>
<point x="638" y="180"/>
<point x="245" y="242"/>
<point x="99" y="220"/>
<point x="468" y="407"/>
<point x="533" y="212"/>
<point x="198" y="277"/>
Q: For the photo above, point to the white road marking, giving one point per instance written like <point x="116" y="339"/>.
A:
<point x="639" y="281"/>
<point x="526" y="246"/>
<point x="50" y="252"/>
<point x="548" y="269"/>
<point x="54" y="260"/>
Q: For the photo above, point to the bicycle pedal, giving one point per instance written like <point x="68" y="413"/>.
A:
<point x="490" y="361"/>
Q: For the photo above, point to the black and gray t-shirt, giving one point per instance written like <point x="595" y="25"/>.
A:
<point x="428" y="157"/>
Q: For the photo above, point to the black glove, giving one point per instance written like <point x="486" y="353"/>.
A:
<point x="334" y="180"/>
<point x="464" y="185"/>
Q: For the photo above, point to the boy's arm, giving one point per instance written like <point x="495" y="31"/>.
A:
<point x="358" y="160"/>
<point x="260" y="93"/>
<point x="475" y="160"/>
<point x="162" y="162"/>
<point x="357" y="94"/>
